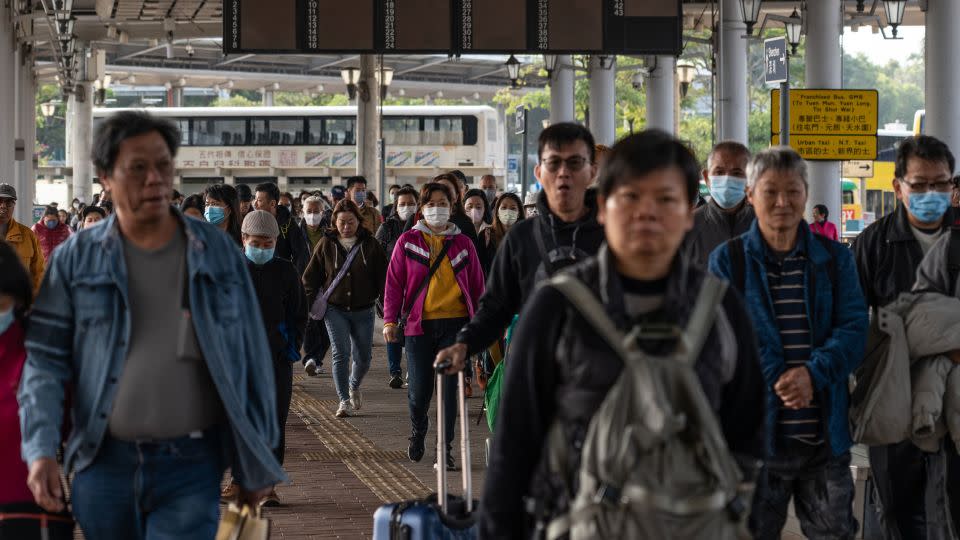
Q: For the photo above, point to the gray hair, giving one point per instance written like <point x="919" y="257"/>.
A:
<point x="777" y="158"/>
<point x="732" y="147"/>
<point x="313" y="199"/>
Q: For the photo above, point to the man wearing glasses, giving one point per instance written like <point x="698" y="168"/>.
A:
<point x="888" y="254"/>
<point x="564" y="232"/>
<point x="20" y="237"/>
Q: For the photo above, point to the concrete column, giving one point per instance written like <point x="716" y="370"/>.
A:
<point x="823" y="60"/>
<point x="661" y="94"/>
<point x="81" y="103"/>
<point x="8" y="105"/>
<point x="562" y="107"/>
<point x="732" y="74"/>
<point x="229" y="179"/>
<point x="943" y="109"/>
<point x="368" y="124"/>
<point x="27" y="108"/>
<point x="283" y="182"/>
<point x="267" y="98"/>
<point x="178" y="96"/>
<point x="603" y="95"/>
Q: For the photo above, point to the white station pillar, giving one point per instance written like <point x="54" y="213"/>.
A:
<point x="27" y="133"/>
<point x="943" y="108"/>
<point x="8" y="104"/>
<point x="603" y="96"/>
<point x="368" y="124"/>
<point x="561" y="92"/>
<point x="824" y="28"/>
<point x="80" y="109"/>
<point x="732" y="70"/>
<point x="661" y="94"/>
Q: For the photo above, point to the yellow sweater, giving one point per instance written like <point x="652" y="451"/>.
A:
<point x="444" y="299"/>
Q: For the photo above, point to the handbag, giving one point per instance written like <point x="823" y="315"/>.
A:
<point x="244" y="523"/>
<point x="319" y="308"/>
<point x="402" y="323"/>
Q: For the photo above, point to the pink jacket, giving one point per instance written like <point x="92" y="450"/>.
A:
<point x="410" y="265"/>
<point x="50" y="238"/>
<point x="826" y="229"/>
<point x="13" y="471"/>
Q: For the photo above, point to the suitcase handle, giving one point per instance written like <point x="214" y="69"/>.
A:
<point x="466" y="470"/>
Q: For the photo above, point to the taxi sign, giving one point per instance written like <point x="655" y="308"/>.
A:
<point x="832" y="147"/>
<point x="828" y="112"/>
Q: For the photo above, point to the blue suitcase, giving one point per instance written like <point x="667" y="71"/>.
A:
<point x="427" y="519"/>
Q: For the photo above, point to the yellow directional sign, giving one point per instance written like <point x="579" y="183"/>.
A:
<point x="832" y="147"/>
<point x="828" y="112"/>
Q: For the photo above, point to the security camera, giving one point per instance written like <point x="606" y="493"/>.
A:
<point x="637" y="81"/>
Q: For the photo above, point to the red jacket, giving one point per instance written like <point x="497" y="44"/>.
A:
<point x="50" y="238"/>
<point x="13" y="471"/>
<point x="826" y="229"/>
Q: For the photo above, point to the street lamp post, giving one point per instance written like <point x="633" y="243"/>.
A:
<point x="48" y="109"/>
<point x="750" y="10"/>
<point x="351" y="76"/>
<point x="513" y="70"/>
<point x="550" y="64"/>
<point x="794" y="25"/>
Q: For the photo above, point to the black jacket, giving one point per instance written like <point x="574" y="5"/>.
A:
<point x="281" y="300"/>
<point x="518" y="266"/>
<point x="361" y="285"/>
<point x="388" y="233"/>
<point x="713" y="227"/>
<point x="292" y="244"/>
<point x="561" y="369"/>
<point x="888" y="256"/>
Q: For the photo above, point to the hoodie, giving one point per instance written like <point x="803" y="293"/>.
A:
<point x="519" y="266"/>
<point x="292" y="243"/>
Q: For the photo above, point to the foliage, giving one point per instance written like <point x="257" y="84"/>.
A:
<point x="51" y="132"/>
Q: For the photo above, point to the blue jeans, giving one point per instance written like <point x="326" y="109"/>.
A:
<point x="421" y="352"/>
<point x="821" y="487"/>
<point x="151" y="490"/>
<point x="350" y="332"/>
<point x="394" y="356"/>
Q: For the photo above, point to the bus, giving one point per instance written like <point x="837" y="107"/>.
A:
<point x="313" y="147"/>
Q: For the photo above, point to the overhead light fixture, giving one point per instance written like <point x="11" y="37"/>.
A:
<point x="385" y="80"/>
<point x="401" y="92"/>
<point x="476" y="96"/>
<point x="229" y="85"/>
<point x="107" y="79"/>
<point x="169" y="47"/>
<point x="750" y="11"/>
<point x="637" y="80"/>
<point x="123" y="37"/>
<point x="550" y="64"/>
<point x="686" y="72"/>
<point x="513" y="70"/>
<point x="276" y="86"/>
<point x="439" y="94"/>
<point x="189" y="49"/>
<point x="320" y="88"/>
<point x="894" y="10"/>
<point x="606" y="61"/>
<point x="132" y="79"/>
<point x="351" y="76"/>
<point x="48" y="109"/>
<point x="794" y="25"/>
<point x="181" y="82"/>
<point x="168" y="85"/>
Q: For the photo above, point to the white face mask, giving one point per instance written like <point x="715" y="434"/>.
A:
<point x="476" y="215"/>
<point x="404" y="212"/>
<point x="508" y="217"/>
<point x="312" y="219"/>
<point x="436" y="216"/>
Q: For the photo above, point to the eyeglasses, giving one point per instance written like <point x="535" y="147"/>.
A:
<point x="923" y="187"/>
<point x="574" y="163"/>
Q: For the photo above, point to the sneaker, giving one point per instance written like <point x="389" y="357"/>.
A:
<point x="451" y="465"/>
<point x="356" y="398"/>
<point x="467" y="388"/>
<point x="343" y="410"/>
<point x="230" y="493"/>
<point x="396" y="382"/>
<point x="272" y="500"/>
<point x="311" y="367"/>
<point x="416" y="449"/>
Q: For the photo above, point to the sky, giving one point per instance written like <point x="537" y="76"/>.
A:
<point x="882" y="50"/>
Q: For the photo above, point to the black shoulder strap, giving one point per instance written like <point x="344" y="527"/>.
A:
<point x="831" y="265"/>
<point x="542" y="248"/>
<point x="953" y="255"/>
<point x="423" y="284"/>
<point x="738" y="264"/>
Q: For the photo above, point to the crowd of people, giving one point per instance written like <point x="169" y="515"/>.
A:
<point x="107" y="310"/>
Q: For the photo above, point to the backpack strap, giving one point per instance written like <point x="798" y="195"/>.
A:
<point x="586" y="303"/>
<point x="738" y="264"/>
<point x="953" y="256"/>
<point x="711" y="294"/>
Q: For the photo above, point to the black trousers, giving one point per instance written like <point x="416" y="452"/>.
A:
<point x="316" y="341"/>
<point x="283" y="375"/>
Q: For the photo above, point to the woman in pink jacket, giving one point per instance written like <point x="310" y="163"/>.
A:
<point x="431" y="307"/>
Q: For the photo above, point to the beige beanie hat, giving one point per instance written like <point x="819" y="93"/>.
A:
<point x="260" y="223"/>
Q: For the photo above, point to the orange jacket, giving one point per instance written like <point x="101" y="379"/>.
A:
<point x="27" y="246"/>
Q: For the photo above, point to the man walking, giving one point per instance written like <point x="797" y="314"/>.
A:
<point x="24" y="242"/>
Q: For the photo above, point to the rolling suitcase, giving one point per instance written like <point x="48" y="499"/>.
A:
<point x="440" y="516"/>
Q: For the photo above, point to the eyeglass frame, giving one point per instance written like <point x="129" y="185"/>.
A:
<point x="946" y="185"/>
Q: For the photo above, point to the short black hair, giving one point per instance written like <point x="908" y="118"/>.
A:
<point x="409" y="191"/>
<point x="459" y="174"/>
<point x="125" y="125"/>
<point x="243" y="192"/>
<point x="96" y="210"/>
<point x="478" y="193"/>
<point x="270" y="189"/>
<point x="398" y="186"/>
<point x="564" y="133"/>
<point x="227" y="194"/>
<point x="822" y="208"/>
<point x="645" y="152"/>
<point x="14" y="280"/>
<point x="923" y="147"/>
<point x="177" y="194"/>
<point x="193" y="201"/>
<point x="50" y="211"/>
<point x="353" y="180"/>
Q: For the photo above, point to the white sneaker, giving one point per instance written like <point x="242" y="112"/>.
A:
<point x="311" y="367"/>
<point x="343" y="410"/>
<point x="356" y="399"/>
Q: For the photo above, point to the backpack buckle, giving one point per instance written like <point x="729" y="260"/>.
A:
<point x="737" y="508"/>
<point x="608" y="494"/>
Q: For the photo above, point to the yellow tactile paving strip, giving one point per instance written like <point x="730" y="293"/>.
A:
<point x="375" y="467"/>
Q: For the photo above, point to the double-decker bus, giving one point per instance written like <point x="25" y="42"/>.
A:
<point x="312" y="147"/>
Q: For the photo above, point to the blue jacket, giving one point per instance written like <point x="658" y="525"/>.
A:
<point x="79" y="332"/>
<point x="838" y="326"/>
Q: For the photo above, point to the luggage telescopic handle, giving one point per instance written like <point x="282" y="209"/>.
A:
<point x="467" y="476"/>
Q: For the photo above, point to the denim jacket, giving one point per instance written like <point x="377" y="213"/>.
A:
<point x="838" y="326"/>
<point x="79" y="332"/>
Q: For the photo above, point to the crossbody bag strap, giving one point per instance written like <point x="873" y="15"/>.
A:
<point x="343" y="270"/>
<point x="711" y="294"/>
<point x="542" y="248"/>
<point x="426" y="281"/>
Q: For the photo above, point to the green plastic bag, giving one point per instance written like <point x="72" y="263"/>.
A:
<point x="491" y="398"/>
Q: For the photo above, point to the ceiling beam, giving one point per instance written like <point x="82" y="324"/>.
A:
<point x="423" y="65"/>
<point x="334" y="63"/>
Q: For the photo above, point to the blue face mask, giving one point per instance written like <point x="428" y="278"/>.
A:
<point x="929" y="207"/>
<point x="359" y="196"/>
<point x="727" y="191"/>
<point x="214" y="215"/>
<point x="6" y="319"/>
<point x="51" y="224"/>
<point x="259" y="255"/>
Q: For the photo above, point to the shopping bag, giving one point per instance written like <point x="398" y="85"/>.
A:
<point x="244" y="523"/>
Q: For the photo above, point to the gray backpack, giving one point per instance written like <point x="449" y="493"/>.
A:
<point x="654" y="463"/>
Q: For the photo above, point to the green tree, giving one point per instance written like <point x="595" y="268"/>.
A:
<point x="51" y="141"/>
